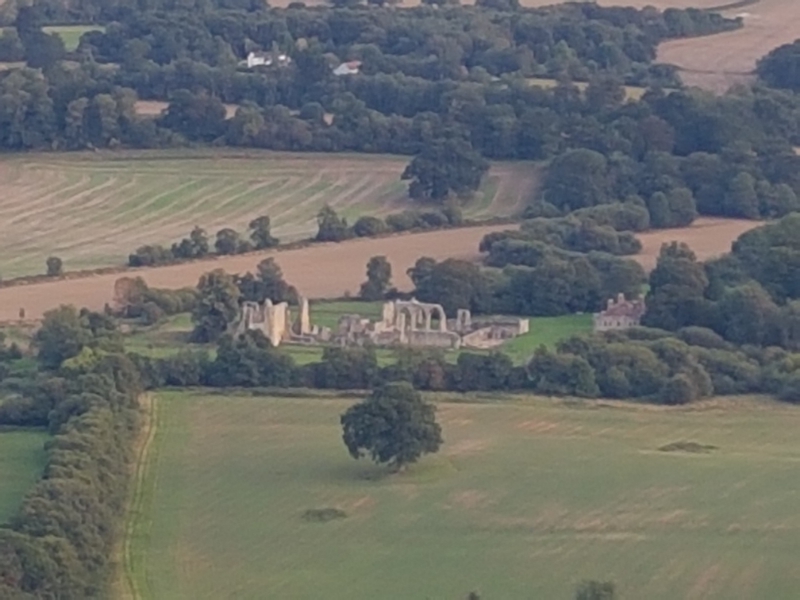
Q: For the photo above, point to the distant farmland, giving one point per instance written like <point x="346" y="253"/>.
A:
<point x="526" y="497"/>
<point x="93" y="210"/>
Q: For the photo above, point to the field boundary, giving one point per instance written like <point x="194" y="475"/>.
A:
<point x="124" y="579"/>
<point x="297" y="245"/>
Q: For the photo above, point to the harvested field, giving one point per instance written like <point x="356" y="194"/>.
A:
<point x="526" y="498"/>
<point x="716" y="62"/>
<point x="154" y="108"/>
<point x="92" y="210"/>
<point x="331" y="270"/>
<point x="709" y="237"/>
<point x="318" y="271"/>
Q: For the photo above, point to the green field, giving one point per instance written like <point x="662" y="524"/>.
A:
<point x="94" y="209"/>
<point x="22" y="459"/>
<point x="546" y="331"/>
<point x="71" y="34"/>
<point x="525" y="498"/>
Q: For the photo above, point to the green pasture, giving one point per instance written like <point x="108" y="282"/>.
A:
<point x="526" y="497"/>
<point x="71" y="34"/>
<point x="22" y="458"/>
<point x="546" y="331"/>
<point x="93" y="210"/>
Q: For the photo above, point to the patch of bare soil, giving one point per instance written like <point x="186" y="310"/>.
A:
<point x="154" y="108"/>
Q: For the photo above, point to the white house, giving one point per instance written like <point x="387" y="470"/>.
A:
<point x="348" y="68"/>
<point x="267" y="59"/>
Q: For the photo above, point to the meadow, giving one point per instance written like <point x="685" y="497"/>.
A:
<point x="22" y="458"/>
<point x="71" y="34"/>
<point x="526" y="497"/>
<point x="93" y="209"/>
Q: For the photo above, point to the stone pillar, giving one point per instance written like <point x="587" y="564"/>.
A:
<point x="305" y="317"/>
<point x="428" y="319"/>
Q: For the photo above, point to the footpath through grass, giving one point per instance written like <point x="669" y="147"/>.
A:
<point x="526" y="497"/>
<point x="22" y="458"/>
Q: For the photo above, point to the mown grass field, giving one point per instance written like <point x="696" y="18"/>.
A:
<point x="94" y="209"/>
<point x="71" y="34"/>
<point x="526" y="497"/>
<point x="22" y="459"/>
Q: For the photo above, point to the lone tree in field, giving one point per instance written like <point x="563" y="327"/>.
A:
<point x="379" y="277"/>
<point x="261" y="234"/>
<point x="332" y="228"/>
<point x="55" y="266"/>
<point x="217" y="306"/>
<point x="393" y="426"/>
<point x="450" y="165"/>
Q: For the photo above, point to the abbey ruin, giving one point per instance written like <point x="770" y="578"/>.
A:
<point x="402" y="323"/>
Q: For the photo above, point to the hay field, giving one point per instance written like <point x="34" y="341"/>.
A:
<point x="92" y="210"/>
<point x="333" y="270"/>
<point x="716" y="62"/>
<point x="524" y="499"/>
<point x="22" y="459"/>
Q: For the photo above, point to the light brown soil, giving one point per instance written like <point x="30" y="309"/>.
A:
<point x="709" y="237"/>
<point x="333" y="270"/>
<point x="325" y="270"/>
<point x="154" y="108"/>
<point x="716" y="62"/>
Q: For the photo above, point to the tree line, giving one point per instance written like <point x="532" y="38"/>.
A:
<point x="59" y="543"/>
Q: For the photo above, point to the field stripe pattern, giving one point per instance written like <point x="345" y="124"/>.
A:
<point x="92" y="211"/>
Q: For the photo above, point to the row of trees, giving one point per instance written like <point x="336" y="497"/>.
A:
<point x="197" y="245"/>
<point x="59" y="543"/>
<point x="750" y="296"/>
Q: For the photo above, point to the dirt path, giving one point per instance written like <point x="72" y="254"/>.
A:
<point x="716" y="62"/>
<point x="333" y="270"/>
<point x="123" y="584"/>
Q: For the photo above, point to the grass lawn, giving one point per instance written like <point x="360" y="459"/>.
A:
<point x="526" y="497"/>
<point x="22" y="458"/>
<point x="71" y="34"/>
<point x="546" y="331"/>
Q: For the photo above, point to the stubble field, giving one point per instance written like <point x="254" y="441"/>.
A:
<point x="92" y="210"/>
<point x="526" y="497"/>
<point x="334" y="270"/>
<point x="716" y="62"/>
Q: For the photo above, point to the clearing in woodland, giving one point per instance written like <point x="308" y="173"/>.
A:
<point x="92" y="210"/>
<point x="526" y="497"/>
<point x="22" y="459"/>
<point x="334" y="270"/>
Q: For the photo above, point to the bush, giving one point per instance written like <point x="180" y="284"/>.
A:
<point x="55" y="267"/>
<point x="369" y="227"/>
